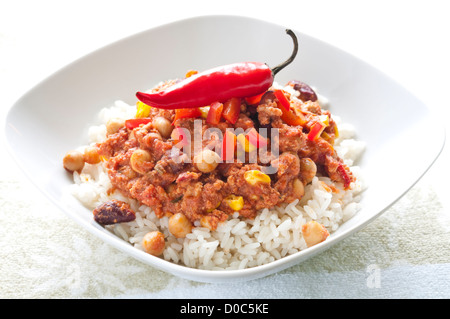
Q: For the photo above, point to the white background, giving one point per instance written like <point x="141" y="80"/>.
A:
<point x="408" y="40"/>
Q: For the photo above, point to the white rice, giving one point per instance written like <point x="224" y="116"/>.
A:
<point x="236" y="243"/>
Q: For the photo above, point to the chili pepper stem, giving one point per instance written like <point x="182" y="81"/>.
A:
<point x="281" y="66"/>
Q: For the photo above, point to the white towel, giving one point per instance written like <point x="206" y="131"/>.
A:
<point x="405" y="253"/>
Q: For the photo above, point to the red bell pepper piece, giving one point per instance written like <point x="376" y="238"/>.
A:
<point x="186" y="113"/>
<point x="214" y="113"/>
<point x="231" y="110"/>
<point x="253" y="100"/>
<point x="255" y="138"/>
<point x="133" y="123"/>
<point x="228" y="146"/>
<point x="283" y="100"/>
<point x="291" y="118"/>
<point x="315" y="131"/>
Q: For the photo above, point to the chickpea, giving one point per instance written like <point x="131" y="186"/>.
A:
<point x="179" y="225"/>
<point x="150" y="138"/>
<point x="163" y="126"/>
<point x="114" y="125"/>
<point x="308" y="169"/>
<point x="139" y="161"/>
<point x="73" y="161"/>
<point x="154" y="243"/>
<point x="206" y="161"/>
<point x="91" y="155"/>
<point x="314" y="233"/>
<point x="298" y="188"/>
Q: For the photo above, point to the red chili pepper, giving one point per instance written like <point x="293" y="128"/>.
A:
<point x="133" y="123"/>
<point x="218" y="84"/>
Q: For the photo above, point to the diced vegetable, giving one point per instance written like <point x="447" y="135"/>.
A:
<point x="254" y="176"/>
<point x="325" y="119"/>
<point x="336" y="131"/>
<point x="214" y="113"/>
<point x="133" y="123"/>
<point x="253" y="100"/>
<point x="255" y="138"/>
<point x="291" y="118"/>
<point x="245" y="144"/>
<point x="204" y="110"/>
<point x="143" y="110"/>
<point x="187" y="113"/>
<point x="316" y="129"/>
<point x="231" y="110"/>
<point x="236" y="203"/>
<point x="228" y="146"/>
<point x="327" y="137"/>
<point x="283" y="100"/>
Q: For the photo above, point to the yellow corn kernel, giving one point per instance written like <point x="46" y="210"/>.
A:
<point x="327" y="137"/>
<point x="336" y="131"/>
<point x="246" y="145"/>
<point x="254" y="176"/>
<point x="143" y="110"/>
<point x="325" y="119"/>
<point x="204" y="111"/>
<point x="236" y="203"/>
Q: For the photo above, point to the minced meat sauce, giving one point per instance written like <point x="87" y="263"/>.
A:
<point x="168" y="183"/>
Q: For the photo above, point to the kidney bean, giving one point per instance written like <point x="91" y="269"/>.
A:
<point x="113" y="212"/>
<point x="306" y="92"/>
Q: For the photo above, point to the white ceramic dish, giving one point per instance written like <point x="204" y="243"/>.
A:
<point x="53" y="117"/>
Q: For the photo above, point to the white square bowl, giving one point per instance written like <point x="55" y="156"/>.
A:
<point x="53" y="117"/>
